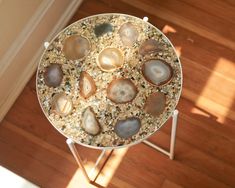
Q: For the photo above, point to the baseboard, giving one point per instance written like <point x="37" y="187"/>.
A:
<point x="17" y="73"/>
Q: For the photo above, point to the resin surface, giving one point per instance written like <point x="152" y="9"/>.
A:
<point x="117" y="80"/>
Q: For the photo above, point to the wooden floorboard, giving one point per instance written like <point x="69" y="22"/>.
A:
<point x="203" y="33"/>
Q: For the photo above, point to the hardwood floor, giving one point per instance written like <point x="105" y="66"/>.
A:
<point x="203" y="33"/>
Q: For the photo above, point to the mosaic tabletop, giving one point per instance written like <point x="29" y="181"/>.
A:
<point x="109" y="81"/>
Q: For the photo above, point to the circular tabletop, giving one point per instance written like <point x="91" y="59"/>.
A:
<point x="109" y="81"/>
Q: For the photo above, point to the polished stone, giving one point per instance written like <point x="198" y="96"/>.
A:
<point x="128" y="127"/>
<point x="110" y="59"/>
<point x="76" y="47"/>
<point x="62" y="104"/>
<point x="86" y="85"/>
<point x="128" y="34"/>
<point x="157" y="71"/>
<point x="89" y="122"/>
<point x="155" y="104"/>
<point x="53" y="75"/>
<point x="149" y="46"/>
<point x="102" y="29"/>
<point x="121" y="90"/>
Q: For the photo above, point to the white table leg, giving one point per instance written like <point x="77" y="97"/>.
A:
<point x="77" y="158"/>
<point x="173" y="133"/>
<point x="173" y="138"/>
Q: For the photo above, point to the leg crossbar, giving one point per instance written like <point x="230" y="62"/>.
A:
<point x="79" y="161"/>
<point x="173" y="137"/>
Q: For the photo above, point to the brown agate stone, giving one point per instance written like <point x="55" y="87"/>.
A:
<point x="128" y="34"/>
<point x="62" y="104"/>
<point x="76" y="47"/>
<point x="155" y="104"/>
<point x="121" y="90"/>
<point x="149" y="46"/>
<point x="89" y="122"/>
<point x="110" y="59"/>
<point x="128" y="127"/>
<point x="53" y="75"/>
<point x="87" y="85"/>
<point x="157" y="71"/>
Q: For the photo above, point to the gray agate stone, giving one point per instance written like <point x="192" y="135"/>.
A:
<point x="128" y="127"/>
<point x="157" y="71"/>
<point x="53" y="75"/>
<point x="103" y="29"/>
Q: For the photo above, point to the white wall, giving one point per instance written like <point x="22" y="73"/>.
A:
<point x="14" y="16"/>
<point x="24" y="26"/>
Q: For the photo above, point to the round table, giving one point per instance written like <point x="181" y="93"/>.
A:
<point x="109" y="81"/>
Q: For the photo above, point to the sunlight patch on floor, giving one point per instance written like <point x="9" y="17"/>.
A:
<point x="168" y="29"/>
<point x="200" y="112"/>
<point x="78" y="180"/>
<point x="212" y="83"/>
<point x="178" y="50"/>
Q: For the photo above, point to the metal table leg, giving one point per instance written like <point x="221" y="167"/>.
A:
<point x="173" y="137"/>
<point x="78" y="159"/>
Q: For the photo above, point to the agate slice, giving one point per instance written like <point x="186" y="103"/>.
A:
<point x="62" y="104"/>
<point x="149" y="46"/>
<point x="87" y="85"/>
<point x="128" y="34"/>
<point x="103" y="29"/>
<point x="155" y="104"/>
<point x="89" y="122"/>
<point x="53" y="75"/>
<point x="128" y="127"/>
<point x="110" y="59"/>
<point x="121" y="90"/>
<point x="157" y="71"/>
<point x="76" y="47"/>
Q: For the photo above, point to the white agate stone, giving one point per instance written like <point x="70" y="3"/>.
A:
<point x="110" y="59"/>
<point x="128" y="34"/>
<point x="89" y="122"/>
<point x="62" y="104"/>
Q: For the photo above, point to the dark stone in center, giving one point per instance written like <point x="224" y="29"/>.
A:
<point x="103" y="29"/>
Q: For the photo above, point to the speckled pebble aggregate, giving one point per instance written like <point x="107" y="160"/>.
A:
<point x="107" y="112"/>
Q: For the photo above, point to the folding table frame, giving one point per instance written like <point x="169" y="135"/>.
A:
<point x="170" y="153"/>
